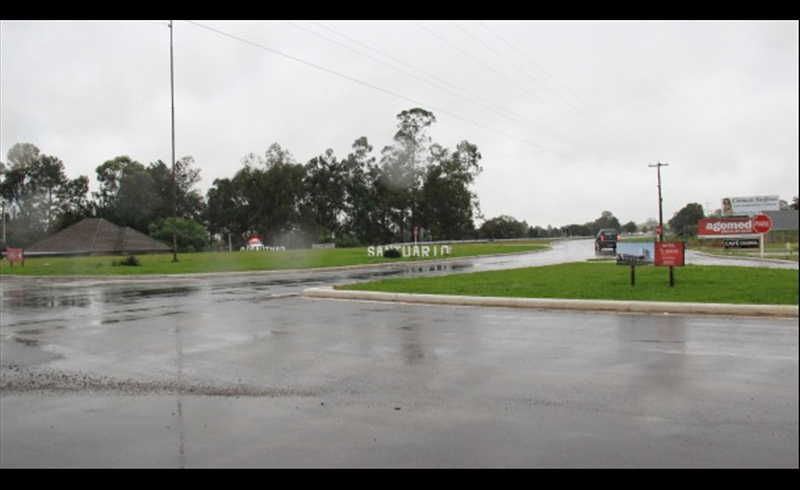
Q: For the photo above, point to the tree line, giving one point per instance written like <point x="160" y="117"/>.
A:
<point x="414" y="185"/>
<point x="508" y="227"/>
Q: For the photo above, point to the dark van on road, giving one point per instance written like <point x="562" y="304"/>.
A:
<point x="606" y="239"/>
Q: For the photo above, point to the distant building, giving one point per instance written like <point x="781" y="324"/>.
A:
<point x="97" y="236"/>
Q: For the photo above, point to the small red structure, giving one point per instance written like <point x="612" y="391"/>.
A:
<point x="15" y="255"/>
<point x="255" y="244"/>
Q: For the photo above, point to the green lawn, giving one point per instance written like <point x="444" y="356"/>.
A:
<point x="608" y="281"/>
<point x="191" y="263"/>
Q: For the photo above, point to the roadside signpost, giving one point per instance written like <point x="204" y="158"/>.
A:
<point x="761" y="225"/>
<point x="15" y="255"/>
<point x="670" y="254"/>
<point x="660" y="254"/>
<point x="737" y="230"/>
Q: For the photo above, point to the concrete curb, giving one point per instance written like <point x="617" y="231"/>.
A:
<point x="651" y="307"/>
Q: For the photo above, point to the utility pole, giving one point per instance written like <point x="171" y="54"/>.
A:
<point x="4" y="220"/>
<point x="174" y="185"/>
<point x="658" y="166"/>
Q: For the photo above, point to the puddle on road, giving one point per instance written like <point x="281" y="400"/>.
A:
<point x="26" y="341"/>
<point x="133" y="318"/>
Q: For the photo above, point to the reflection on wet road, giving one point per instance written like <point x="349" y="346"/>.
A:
<point x="240" y="371"/>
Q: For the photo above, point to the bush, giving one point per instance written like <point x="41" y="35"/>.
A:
<point x="391" y="253"/>
<point x="129" y="261"/>
<point x="347" y="241"/>
<point x="191" y="235"/>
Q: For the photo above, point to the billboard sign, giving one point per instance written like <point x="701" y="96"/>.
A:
<point x="749" y="206"/>
<point x="635" y="253"/>
<point x="725" y="228"/>
<point x="670" y="254"/>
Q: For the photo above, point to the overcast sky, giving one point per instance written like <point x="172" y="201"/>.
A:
<point x="567" y="115"/>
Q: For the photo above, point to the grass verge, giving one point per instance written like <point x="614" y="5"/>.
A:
<point x="605" y="281"/>
<point x="206" y="262"/>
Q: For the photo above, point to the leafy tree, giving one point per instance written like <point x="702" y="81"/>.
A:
<point x="448" y="204"/>
<point x="362" y="200"/>
<point x="537" y="232"/>
<point x="355" y="200"/>
<point x="73" y="202"/>
<point x="30" y="188"/>
<point x="684" y="222"/>
<point x="191" y="236"/>
<point x="325" y="193"/>
<point x="190" y="203"/>
<point x="578" y="230"/>
<point x="127" y="193"/>
<point x="402" y="170"/>
<point x="272" y="193"/>
<point x="226" y="212"/>
<point x="629" y="227"/>
<point x="25" y="223"/>
<point x="285" y="219"/>
<point x="794" y="204"/>
<point x="606" y="220"/>
<point x="504" y="227"/>
<point x="47" y="172"/>
<point x="109" y="175"/>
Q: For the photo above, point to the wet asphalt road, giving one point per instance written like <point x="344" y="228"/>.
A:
<point x="239" y="371"/>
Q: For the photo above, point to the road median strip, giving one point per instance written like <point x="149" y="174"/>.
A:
<point x="652" y="307"/>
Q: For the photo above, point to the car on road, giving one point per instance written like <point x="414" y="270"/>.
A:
<point x="606" y="239"/>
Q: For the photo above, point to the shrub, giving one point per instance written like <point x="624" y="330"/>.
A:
<point x="347" y="241"/>
<point x="391" y="253"/>
<point x="129" y="261"/>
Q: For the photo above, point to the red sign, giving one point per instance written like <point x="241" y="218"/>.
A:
<point x="762" y="223"/>
<point x="15" y="255"/>
<point x="724" y="228"/>
<point x="669" y="254"/>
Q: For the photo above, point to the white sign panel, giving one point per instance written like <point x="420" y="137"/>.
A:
<point x="749" y="206"/>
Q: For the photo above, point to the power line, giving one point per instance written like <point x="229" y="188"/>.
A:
<point x="552" y="106"/>
<point x="471" y="97"/>
<point x="388" y="92"/>
<point x="419" y="103"/>
<point x="575" y="95"/>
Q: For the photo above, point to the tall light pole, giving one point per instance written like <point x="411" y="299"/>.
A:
<point x="174" y="185"/>
<point x="658" y="166"/>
